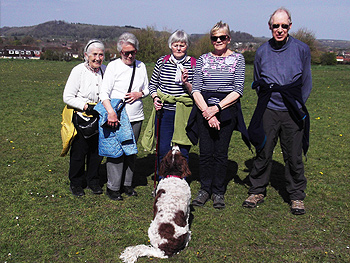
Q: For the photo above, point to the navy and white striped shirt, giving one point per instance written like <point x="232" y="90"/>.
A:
<point x="163" y="78"/>
<point x="219" y="74"/>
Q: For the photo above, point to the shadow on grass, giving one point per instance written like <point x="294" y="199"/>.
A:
<point x="277" y="178"/>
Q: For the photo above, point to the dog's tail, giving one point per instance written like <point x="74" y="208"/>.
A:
<point x="131" y="254"/>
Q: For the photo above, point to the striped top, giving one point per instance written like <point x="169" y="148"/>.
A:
<point x="163" y="78"/>
<point x="219" y="74"/>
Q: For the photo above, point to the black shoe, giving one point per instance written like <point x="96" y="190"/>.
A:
<point x="77" y="190"/>
<point x="128" y="190"/>
<point x="218" y="201"/>
<point x="96" y="189"/>
<point x="201" y="199"/>
<point x="114" y="195"/>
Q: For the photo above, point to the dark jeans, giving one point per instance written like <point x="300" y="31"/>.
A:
<point x="166" y="131"/>
<point x="84" y="150"/>
<point x="213" y="147"/>
<point x="279" y="124"/>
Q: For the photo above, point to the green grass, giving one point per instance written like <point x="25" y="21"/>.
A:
<point x="41" y="221"/>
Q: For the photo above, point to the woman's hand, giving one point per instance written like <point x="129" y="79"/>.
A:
<point x="214" y="123"/>
<point x="210" y="112"/>
<point x="157" y="103"/>
<point x="132" y="96"/>
<point x="184" y="75"/>
<point x="112" y="120"/>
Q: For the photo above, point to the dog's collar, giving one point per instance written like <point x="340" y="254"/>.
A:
<point x="171" y="175"/>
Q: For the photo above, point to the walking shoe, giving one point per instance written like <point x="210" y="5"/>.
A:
<point x="201" y="199"/>
<point x="128" y="190"/>
<point x="218" y="201"/>
<point x="96" y="189"/>
<point x="297" y="207"/>
<point x="253" y="200"/>
<point x="114" y="195"/>
<point x="77" y="190"/>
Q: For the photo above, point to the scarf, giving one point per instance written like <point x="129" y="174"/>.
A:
<point x="179" y="67"/>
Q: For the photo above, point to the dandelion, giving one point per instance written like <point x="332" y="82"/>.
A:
<point x="50" y="170"/>
<point x="321" y="173"/>
<point x="11" y="141"/>
<point x="77" y="253"/>
<point x="318" y="118"/>
<point x="340" y="135"/>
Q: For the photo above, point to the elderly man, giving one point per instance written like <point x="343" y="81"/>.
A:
<point x="282" y="78"/>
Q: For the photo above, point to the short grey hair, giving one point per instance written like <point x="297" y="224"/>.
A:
<point x="178" y="36"/>
<point x="281" y="9"/>
<point x="127" y="38"/>
<point x="93" y="43"/>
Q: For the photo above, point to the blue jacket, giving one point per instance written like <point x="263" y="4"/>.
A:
<point x="114" y="142"/>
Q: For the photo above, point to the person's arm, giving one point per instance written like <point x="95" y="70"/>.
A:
<point x="306" y="77"/>
<point x="71" y="90"/>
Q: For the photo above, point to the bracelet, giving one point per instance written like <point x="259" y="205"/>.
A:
<point x="155" y="97"/>
<point x="219" y="107"/>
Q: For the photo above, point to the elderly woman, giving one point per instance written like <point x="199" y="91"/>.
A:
<point x="170" y="88"/>
<point x="115" y="85"/>
<point x="217" y="87"/>
<point x="81" y="93"/>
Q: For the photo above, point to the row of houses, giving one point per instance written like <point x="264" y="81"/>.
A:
<point x="30" y="52"/>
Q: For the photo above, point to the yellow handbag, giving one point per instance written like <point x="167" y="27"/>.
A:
<point x="68" y="130"/>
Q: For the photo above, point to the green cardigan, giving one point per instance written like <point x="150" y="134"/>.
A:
<point x="183" y="109"/>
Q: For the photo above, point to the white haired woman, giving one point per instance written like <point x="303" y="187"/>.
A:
<point x="81" y="93"/>
<point x="170" y="87"/>
<point x="115" y="85"/>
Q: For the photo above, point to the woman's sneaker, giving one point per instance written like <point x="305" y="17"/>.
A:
<point x="218" y="201"/>
<point x="201" y="199"/>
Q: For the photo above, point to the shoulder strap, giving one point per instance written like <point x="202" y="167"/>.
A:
<point x="165" y="59"/>
<point x="132" y="76"/>
<point x="193" y="62"/>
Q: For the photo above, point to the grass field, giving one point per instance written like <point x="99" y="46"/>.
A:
<point x="41" y="221"/>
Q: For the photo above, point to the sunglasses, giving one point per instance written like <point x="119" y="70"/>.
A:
<point x="222" y="38"/>
<point x="284" y="26"/>
<point x="127" y="53"/>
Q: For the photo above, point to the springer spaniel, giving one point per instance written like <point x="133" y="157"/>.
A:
<point x="169" y="231"/>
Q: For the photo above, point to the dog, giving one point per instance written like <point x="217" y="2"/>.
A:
<point x="169" y="231"/>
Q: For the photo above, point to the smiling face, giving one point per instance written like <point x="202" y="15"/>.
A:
<point x="128" y="54"/>
<point x="280" y="26"/>
<point x="179" y="49"/>
<point x="95" y="57"/>
<point x="219" y="40"/>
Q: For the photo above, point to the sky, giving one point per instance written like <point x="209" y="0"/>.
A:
<point x="326" y="19"/>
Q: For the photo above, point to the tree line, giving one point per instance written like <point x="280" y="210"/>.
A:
<point x="154" y="44"/>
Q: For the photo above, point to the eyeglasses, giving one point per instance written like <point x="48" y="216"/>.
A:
<point x="284" y="26"/>
<point x="222" y="38"/>
<point x="127" y="53"/>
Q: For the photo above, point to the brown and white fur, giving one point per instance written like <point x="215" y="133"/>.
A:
<point x="169" y="231"/>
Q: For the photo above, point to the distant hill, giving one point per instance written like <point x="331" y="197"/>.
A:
<point x="66" y="31"/>
<point x="76" y="31"/>
<point x="63" y="31"/>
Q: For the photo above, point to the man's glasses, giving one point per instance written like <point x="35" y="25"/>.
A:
<point x="215" y="38"/>
<point x="127" y="53"/>
<point x="284" y="26"/>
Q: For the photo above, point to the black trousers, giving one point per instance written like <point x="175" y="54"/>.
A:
<point x="84" y="151"/>
<point x="279" y="124"/>
<point x="213" y="148"/>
